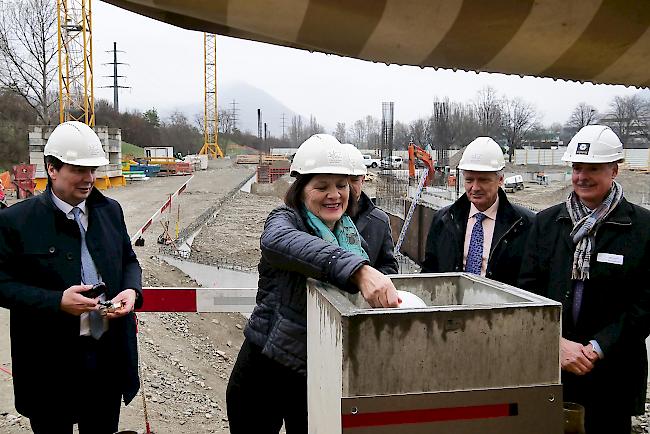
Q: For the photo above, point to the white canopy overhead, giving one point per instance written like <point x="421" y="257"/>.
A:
<point x="603" y="41"/>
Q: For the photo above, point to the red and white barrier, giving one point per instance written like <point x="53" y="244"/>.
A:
<point x="180" y="299"/>
<point x="157" y="214"/>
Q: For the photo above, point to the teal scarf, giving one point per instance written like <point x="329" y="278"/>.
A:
<point x="345" y="233"/>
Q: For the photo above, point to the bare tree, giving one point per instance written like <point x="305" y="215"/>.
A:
<point x="464" y="124"/>
<point x="488" y="111"/>
<point x="628" y="117"/>
<point x="517" y="118"/>
<point x="359" y="132"/>
<point x="28" y="47"/>
<point x="401" y="136"/>
<point x="225" y="121"/>
<point x="419" y="131"/>
<point x="314" y="127"/>
<point x="373" y="132"/>
<point x="340" y="132"/>
<point x="296" y="131"/>
<point x="584" y="114"/>
<point x="179" y="133"/>
<point x="441" y="130"/>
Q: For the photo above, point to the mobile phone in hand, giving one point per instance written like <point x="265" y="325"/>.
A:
<point x="97" y="290"/>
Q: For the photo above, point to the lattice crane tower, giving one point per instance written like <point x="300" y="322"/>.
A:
<point x="210" y="118"/>
<point x="76" y="90"/>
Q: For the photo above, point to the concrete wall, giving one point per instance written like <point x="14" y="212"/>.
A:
<point x="416" y="236"/>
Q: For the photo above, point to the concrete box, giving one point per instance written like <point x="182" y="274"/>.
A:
<point x="482" y="357"/>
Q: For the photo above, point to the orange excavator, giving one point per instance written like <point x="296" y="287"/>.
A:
<point x="422" y="155"/>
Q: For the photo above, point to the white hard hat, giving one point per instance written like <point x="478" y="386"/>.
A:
<point x="482" y="155"/>
<point x="358" y="165"/>
<point x="322" y="153"/>
<point x="410" y="300"/>
<point x="594" y="144"/>
<point x="76" y="143"/>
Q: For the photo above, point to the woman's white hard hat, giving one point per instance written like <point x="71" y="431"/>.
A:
<point x="322" y="154"/>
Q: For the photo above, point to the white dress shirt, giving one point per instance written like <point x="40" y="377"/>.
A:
<point x="84" y="320"/>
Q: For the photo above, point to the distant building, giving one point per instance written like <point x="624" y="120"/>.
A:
<point x="542" y="144"/>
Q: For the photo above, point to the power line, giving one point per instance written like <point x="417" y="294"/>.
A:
<point x="115" y="86"/>
<point x="283" y="126"/>
<point x="234" y="111"/>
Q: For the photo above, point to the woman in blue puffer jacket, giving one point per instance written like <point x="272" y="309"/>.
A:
<point x="311" y="236"/>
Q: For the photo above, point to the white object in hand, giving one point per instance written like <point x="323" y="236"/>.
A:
<point x="410" y="300"/>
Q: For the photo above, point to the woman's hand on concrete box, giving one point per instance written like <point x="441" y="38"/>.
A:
<point x="375" y="287"/>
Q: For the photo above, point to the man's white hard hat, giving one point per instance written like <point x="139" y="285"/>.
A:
<point x="320" y="154"/>
<point x="76" y="143"/>
<point x="483" y="154"/>
<point x="594" y="144"/>
<point x="356" y="157"/>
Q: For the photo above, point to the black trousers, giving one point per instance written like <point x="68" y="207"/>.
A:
<point x="603" y="412"/>
<point x="262" y="394"/>
<point x="96" y="399"/>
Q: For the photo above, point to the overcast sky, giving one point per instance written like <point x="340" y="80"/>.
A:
<point x="165" y="71"/>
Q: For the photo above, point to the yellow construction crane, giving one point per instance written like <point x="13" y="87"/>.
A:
<point x="210" y="117"/>
<point x="76" y="90"/>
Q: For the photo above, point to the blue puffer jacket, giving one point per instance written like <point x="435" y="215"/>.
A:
<point x="291" y="254"/>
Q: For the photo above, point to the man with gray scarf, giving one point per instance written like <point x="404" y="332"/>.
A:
<point x="592" y="254"/>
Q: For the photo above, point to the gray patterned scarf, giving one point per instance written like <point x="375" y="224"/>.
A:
<point x="585" y="225"/>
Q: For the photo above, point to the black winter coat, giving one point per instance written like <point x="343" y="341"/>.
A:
<point x="291" y="254"/>
<point x="445" y="243"/>
<point x="40" y="257"/>
<point x="615" y="309"/>
<point x="374" y="226"/>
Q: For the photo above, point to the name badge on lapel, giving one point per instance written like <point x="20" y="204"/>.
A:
<point x="610" y="258"/>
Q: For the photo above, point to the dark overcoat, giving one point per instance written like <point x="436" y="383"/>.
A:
<point x="615" y="308"/>
<point x="374" y="226"/>
<point x="40" y="257"/>
<point x="446" y="239"/>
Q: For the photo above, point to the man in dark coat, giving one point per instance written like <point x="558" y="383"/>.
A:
<point x="374" y="226"/>
<point x="491" y="247"/>
<point x="70" y="364"/>
<point x="592" y="254"/>
<point x="372" y="223"/>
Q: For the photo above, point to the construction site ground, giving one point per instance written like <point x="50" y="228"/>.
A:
<point x="636" y="186"/>
<point x="187" y="357"/>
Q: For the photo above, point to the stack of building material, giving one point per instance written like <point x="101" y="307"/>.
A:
<point x="199" y="162"/>
<point x="23" y="175"/>
<point x="247" y="159"/>
<point x="270" y="171"/>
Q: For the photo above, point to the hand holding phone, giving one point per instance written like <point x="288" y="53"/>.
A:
<point x="94" y="292"/>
